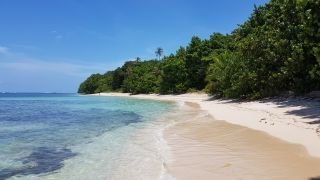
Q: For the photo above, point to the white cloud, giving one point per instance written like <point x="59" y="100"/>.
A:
<point x="69" y="69"/>
<point x="19" y="71"/>
<point x="45" y="76"/>
<point x="4" y="50"/>
<point x="20" y="62"/>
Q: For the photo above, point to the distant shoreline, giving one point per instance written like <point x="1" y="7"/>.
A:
<point x="288" y="120"/>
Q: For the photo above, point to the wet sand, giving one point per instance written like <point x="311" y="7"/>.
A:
<point x="204" y="148"/>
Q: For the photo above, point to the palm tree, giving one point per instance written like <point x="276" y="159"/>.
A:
<point x="159" y="52"/>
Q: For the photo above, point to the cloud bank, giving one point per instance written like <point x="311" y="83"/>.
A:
<point x="20" y="73"/>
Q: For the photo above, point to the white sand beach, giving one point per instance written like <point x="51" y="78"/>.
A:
<point x="274" y="139"/>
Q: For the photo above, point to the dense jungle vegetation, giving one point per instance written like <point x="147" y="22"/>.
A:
<point x="276" y="50"/>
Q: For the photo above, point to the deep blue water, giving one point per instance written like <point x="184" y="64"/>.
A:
<point x="38" y="131"/>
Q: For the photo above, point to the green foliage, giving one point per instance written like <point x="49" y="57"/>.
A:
<point x="195" y="65"/>
<point x="117" y="79"/>
<point x="97" y="83"/>
<point x="143" y="77"/>
<point x="277" y="49"/>
<point x="105" y="82"/>
<point x="174" y="75"/>
<point x="90" y="85"/>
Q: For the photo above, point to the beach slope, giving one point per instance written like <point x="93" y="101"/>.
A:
<point x="270" y="139"/>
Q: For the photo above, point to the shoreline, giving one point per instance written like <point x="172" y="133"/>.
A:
<point x="295" y="121"/>
<point x="205" y="148"/>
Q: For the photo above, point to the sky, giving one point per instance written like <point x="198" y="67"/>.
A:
<point x="52" y="46"/>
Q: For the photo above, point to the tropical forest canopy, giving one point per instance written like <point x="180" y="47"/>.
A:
<point x="276" y="50"/>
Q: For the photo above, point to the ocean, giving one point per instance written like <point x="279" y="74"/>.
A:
<point x="69" y="136"/>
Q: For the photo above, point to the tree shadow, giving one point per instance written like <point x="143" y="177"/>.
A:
<point x="315" y="178"/>
<point x="226" y="100"/>
<point x="306" y="108"/>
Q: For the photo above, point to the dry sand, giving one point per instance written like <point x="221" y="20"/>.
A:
<point x="205" y="148"/>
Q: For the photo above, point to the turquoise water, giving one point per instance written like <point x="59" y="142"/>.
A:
<point x="69" y="136"/>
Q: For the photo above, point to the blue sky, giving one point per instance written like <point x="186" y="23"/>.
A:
<point x="52" y="46"/>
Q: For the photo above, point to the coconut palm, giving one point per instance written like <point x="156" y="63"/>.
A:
<point x="159" y="52"/>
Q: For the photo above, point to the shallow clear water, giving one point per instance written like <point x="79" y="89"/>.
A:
<point x="69" y="136"/>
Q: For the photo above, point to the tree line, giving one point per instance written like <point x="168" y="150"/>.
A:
<point x="276" y="50"/>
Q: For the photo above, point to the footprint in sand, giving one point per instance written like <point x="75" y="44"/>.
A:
<point x="262" y="119"/>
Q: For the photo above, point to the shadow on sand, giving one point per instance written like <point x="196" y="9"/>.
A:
<point x="315" y="178"/>
<point x="307" y="108"/>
